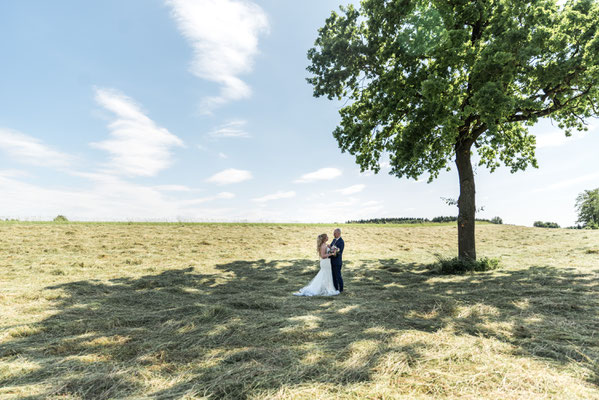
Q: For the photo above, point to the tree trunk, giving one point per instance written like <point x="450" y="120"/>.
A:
<point x="466" y="204"/>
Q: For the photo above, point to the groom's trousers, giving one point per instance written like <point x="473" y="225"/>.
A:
<point x="337" y="279"/>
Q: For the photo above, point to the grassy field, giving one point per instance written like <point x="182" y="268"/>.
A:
<point x="191" y="311"/>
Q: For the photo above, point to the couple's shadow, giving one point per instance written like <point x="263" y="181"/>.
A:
<point x="239" y="331"/>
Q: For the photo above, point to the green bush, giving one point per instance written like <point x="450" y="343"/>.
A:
<point x="587" y="205"/>
<point x="61" y="218"/>
<point x="592" y="225"/>
<point x="496" y="220"/>
<point x="541" y="224"/>
<point x="454" y="266"/>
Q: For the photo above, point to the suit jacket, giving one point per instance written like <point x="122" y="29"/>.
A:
<point x="338" y="259"/>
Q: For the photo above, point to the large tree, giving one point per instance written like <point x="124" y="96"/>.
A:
<point x="425" y="81"/>
<point x="587" y="205"/>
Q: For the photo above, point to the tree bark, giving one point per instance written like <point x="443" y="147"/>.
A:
<point x="466" y="204"/>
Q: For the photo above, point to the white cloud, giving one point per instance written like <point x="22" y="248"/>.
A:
<point x="275" y="196"/>
<point x="225" y="195"/>
<point x="320" y="175"/>
<point x="30" y="150"/>
<point x="138" y="146"/>
<point x="233" y="129"/>
<point x="222" y="155"/>
<point x="229" y="176"/>
<point x="352" y="189"/>
<point x="224" y="36"/>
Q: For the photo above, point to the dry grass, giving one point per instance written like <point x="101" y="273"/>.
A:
<point x="192" y="311"/>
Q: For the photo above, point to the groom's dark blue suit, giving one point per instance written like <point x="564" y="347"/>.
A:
<point x="336" y="263"/>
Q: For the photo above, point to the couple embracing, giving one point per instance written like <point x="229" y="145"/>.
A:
<point x="328" y="281"/>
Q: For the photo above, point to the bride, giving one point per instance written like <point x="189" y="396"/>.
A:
<point x="322" y="284"/>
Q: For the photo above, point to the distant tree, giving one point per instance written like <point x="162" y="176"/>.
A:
<point x="496" y="220"/>
<point x="427" y="82"/>
<point x="587" y="205"/>
<point x="61" y="218"/>
<point x="541" y="224"/>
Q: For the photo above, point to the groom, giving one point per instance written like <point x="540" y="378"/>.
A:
<point x="337" y="260"/>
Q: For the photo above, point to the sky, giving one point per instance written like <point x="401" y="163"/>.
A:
<point x="199" y="110"/>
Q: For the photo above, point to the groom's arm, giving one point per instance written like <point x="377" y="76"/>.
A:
<point x="340" y="246"/>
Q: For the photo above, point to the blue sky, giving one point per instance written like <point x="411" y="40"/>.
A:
<point x="199" y="111"/>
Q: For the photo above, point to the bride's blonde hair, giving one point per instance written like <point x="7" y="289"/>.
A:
<point x="320" y="240"/>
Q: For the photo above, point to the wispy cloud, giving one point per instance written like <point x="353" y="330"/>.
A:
<point x="225" y="195"/>
<point x="275" y="196"/>
<point x="138" y="146"/>
<point x="352" y="189"/>
<point x="320" y="175"/>
<point x="229" y="176"/>
<point x="233" y="129"/>
<point x="224" y="36"/>
<point x="30" y="150"/>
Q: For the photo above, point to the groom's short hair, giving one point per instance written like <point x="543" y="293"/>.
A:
<point x="337" y="229"/>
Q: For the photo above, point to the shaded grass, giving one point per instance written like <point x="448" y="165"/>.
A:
<point x="207" y="312"/>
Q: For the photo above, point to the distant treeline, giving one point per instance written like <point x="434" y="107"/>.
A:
<point x="407" y="220"/>
<point x="541" y="224"/>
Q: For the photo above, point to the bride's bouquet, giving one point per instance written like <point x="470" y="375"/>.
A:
<point x="333" y="250"/>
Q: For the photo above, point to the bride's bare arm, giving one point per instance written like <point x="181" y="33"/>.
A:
<point x="323" y="251"/>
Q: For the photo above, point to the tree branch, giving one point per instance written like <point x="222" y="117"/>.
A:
<point x="544" y="112"/>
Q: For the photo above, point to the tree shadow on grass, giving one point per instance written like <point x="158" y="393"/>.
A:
<point x="240" y="332"/>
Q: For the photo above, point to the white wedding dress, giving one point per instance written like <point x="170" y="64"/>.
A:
<point x="322" y="284"/>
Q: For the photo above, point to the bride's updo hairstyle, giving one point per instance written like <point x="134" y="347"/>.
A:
<point x="321" y="239"/>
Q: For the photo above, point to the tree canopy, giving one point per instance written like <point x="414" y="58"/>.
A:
<point x="416" y="72"/>
<point x="425" y="81"/>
